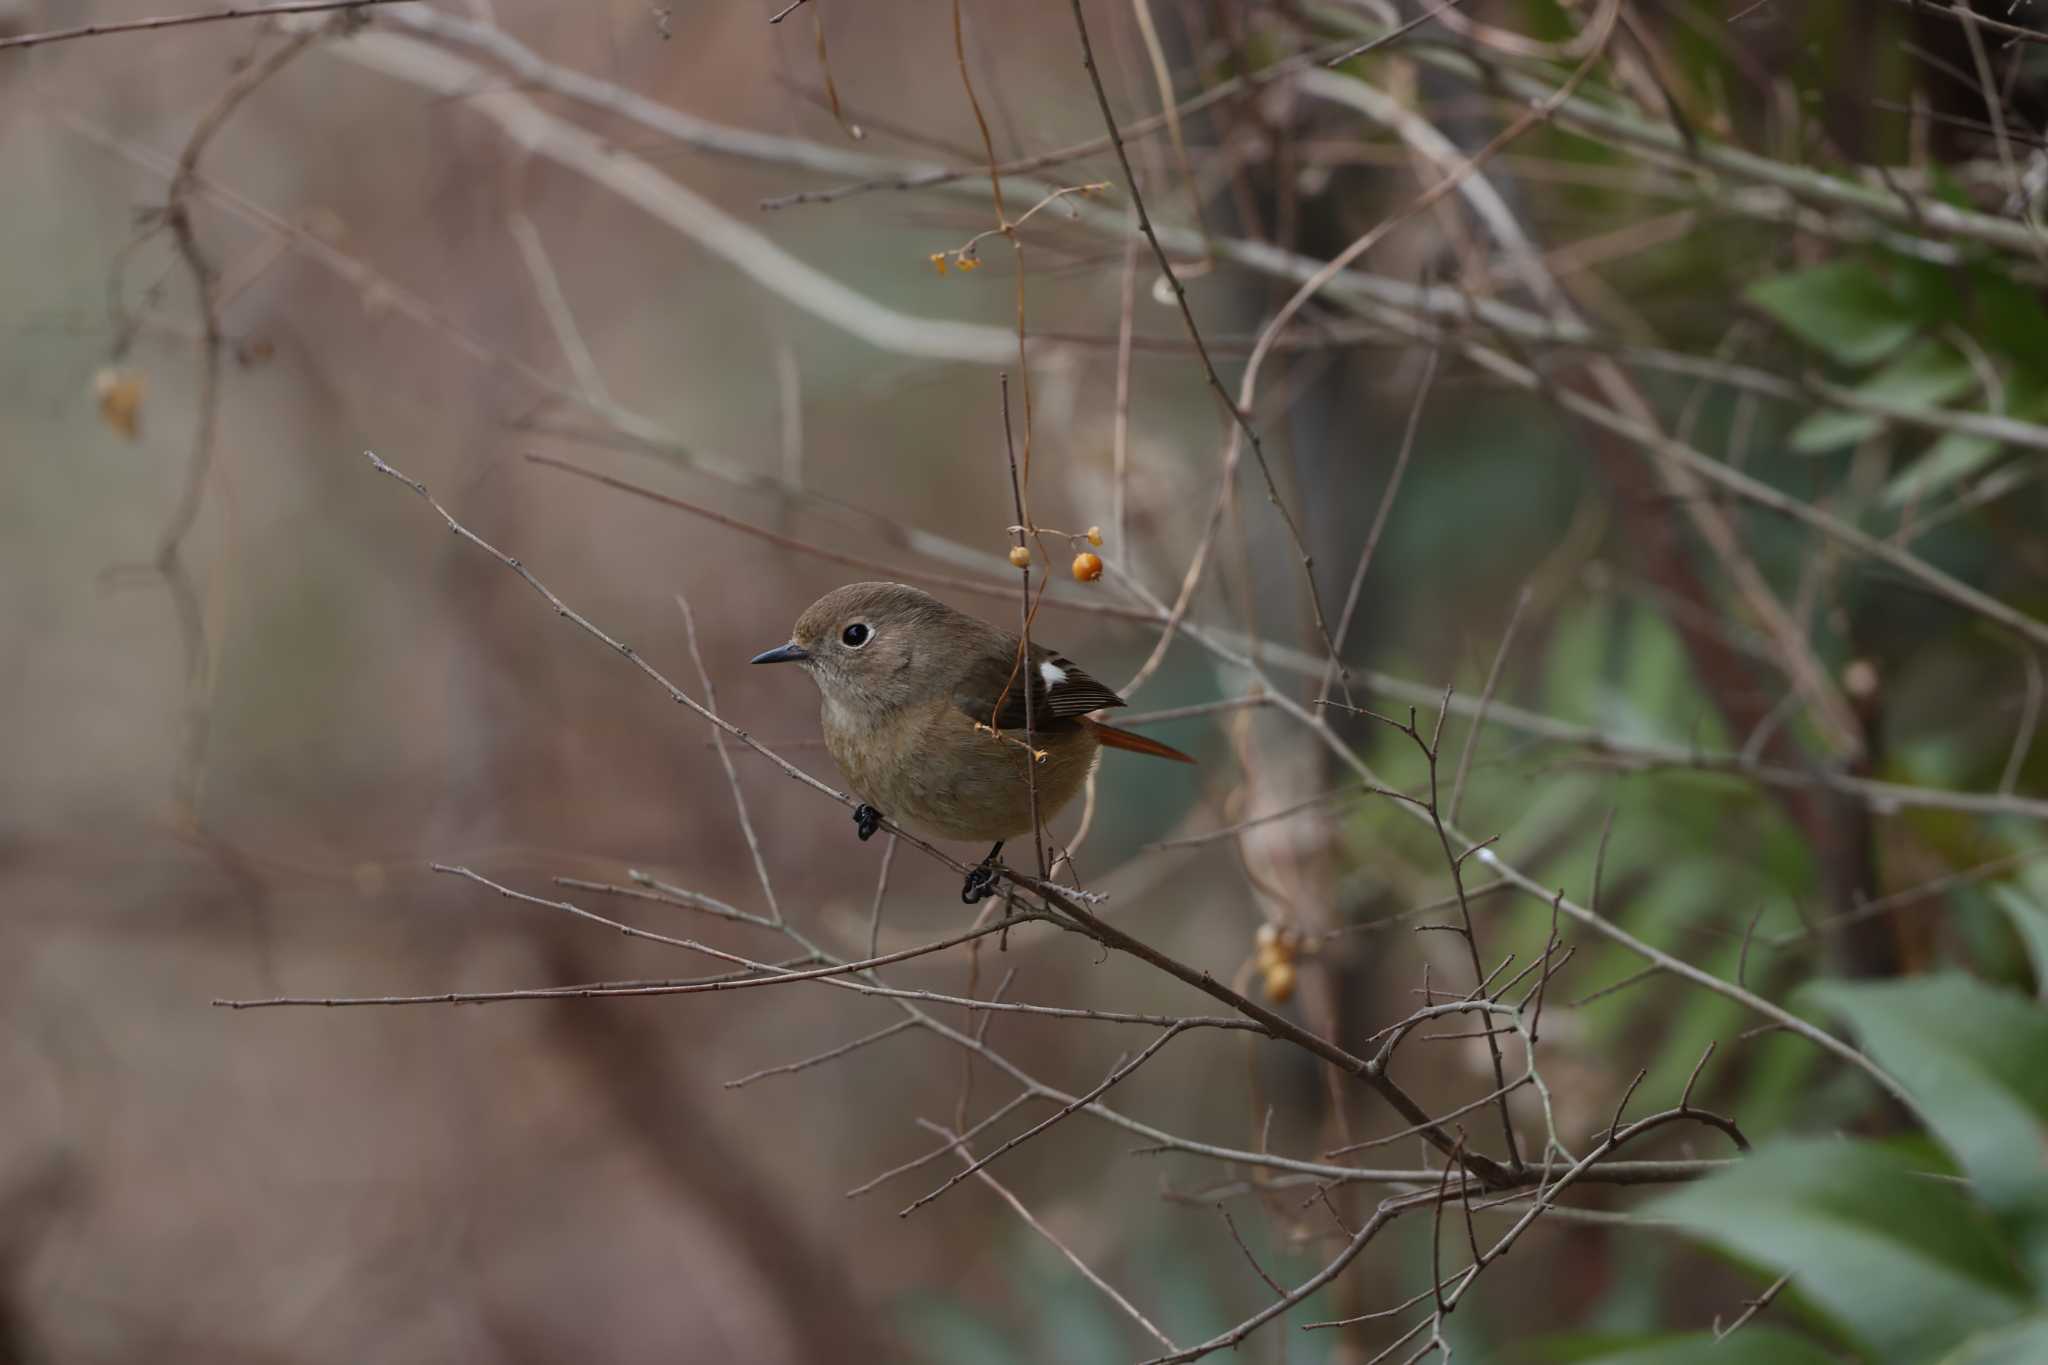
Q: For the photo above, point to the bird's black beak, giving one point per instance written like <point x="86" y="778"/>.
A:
<point x="781" y="654"/>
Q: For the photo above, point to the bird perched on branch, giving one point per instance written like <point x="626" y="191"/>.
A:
<point x="926" y="711"/>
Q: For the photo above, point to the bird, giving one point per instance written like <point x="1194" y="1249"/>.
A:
<point x="924" y="710"/>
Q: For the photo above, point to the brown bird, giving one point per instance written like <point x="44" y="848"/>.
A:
<point x="924" y="710"/>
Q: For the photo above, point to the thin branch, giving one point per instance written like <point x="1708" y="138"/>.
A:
<point x="63" y="35"/>
<point x="732" y="776"/>
<point x="169" y="563"/>
<point x="952" y="583"/>
<point x="1751" y="1307"/>
<point x="660" y="892"/>
<point x="835" y="970"/>
<point x="829" y="1054"/>
<point x="1116" y="1074"/>
<point x="2030" y="720"/>
<point x="1379" y="522"/>
<point x="1074" y="1260"/>
<point x="1380" y="1218"/>
<point x="563" y="610"/>
<point x="1645" y="434"/>
<point x="554" y="303"/>
<point x="951" y="1144"/>
<point x="596" y="990"/>
<point x="1696" y="975"/>
<point x="1252" y="1260"/>
<point x="1238" y="415"/>
<point x="1341" y="794"/>
<point x="920" y="178"/>
<point x="1022" y="672"/>
<point x="881" y="894"/>
<point x="636" y="181"/>
<point x="1500" y="658"/>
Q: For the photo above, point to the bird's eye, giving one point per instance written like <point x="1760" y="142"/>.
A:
<point x="855" y="635"/>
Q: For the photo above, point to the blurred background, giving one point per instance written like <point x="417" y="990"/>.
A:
<point x="254" y="689"/>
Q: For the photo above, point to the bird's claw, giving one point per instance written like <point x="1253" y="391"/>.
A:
<point x="981" y="882"/>
<point x="866" y="820"/>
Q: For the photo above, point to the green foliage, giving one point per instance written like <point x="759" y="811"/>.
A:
<point x="1952" y="458"/>
<point x="2030" y="921"/>
<point x="1906" y="1262"/>
<point x="1752" y="1345"/>
<point x="2008" y="318"/>
<point x="1901" y="1262"/>
<point x="1843" y="308"/>
<point x="2023" y="1343"/>
<point x="1860" y="311"/>
<point x="1975" y="1060"/>
<point x="1925" y="375"/>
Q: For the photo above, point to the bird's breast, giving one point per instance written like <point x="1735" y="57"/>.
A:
<point x="931" y="768"/>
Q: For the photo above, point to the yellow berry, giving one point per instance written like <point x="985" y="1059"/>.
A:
<point x="1095" y="535"/>
<point x="1020" y="557"/>
<point x="1087" y="567"/>
<point x="1280" y="983"/>
<point x="120" y="393"/>
<point x="939" y="261"/>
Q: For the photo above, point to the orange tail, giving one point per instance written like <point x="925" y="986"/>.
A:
<point x="1114" y="738"/>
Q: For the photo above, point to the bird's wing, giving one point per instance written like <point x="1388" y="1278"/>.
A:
<point x="992" y="691"/>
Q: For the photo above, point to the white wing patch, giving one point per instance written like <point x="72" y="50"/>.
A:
<point x="1053" y="674"/>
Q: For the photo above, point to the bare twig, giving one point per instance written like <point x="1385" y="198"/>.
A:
<point x="2030" y="720"/>
<point x="632" y="656"/>
<point x="1021" y="674"/>
<point x="732" y="776"/>
<point x="1252" y="1260"/>
<point x="164" y="21"/>
<point x="1500" y="658"/>
<point x="1238" y="415"/>
<point x="829" y="1054"/>
<point x="1751" y="1307"/>
<point x="1118" y="1073"/>
<point x="1129" y="1309"/>
<point x="1379" y="523"/>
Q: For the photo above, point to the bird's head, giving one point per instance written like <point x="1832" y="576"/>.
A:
<point x="871" y="644"/>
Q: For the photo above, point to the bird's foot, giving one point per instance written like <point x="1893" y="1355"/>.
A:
<point x="981" y="880"/>
<point x="866" y="820"/>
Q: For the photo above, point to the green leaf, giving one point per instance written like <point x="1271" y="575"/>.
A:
<point x="2030" y="920"/>
<point x="2008" y="316"/>
<point x="1974" y="1057"/>
<point x="1927" y="291"/>
<point x="2025" y="1343"/>
<point x="1925" y="376"/>
<point x="1843" y="308"/>
<point x="1831" y="429"/>
<point x="1900" y="1260"/>
<point x="1951" y="459"/>
<point x="1752" y="1345"/>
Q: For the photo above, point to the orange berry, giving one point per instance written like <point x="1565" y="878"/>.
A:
<point x="120" y="393"/>
<point x="1095" y="535"/>
<point x="1087" y="567"/>
<point x="1020" y="557"/>
<point x="1280" y="983"/>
